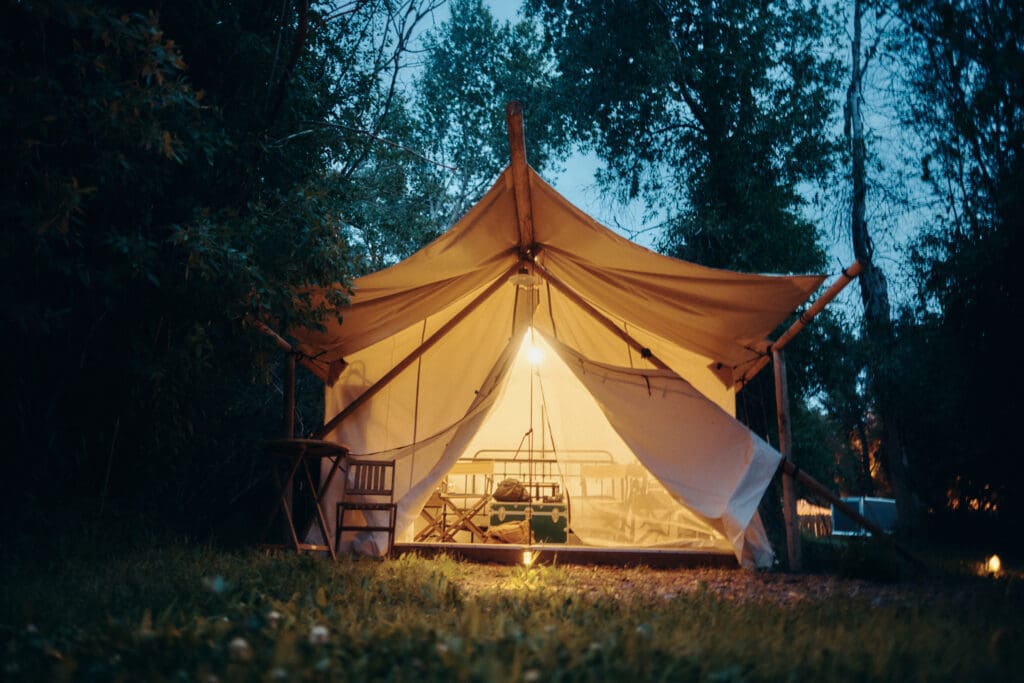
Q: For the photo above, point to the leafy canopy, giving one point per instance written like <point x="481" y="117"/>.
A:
<point x="710" y="114"/>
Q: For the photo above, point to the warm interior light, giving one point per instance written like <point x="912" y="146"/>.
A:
<point x="535" y="355"/>
<point x="994" y="564"/>
<point x="527" y="558"/>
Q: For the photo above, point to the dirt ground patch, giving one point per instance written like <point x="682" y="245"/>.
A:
<point x="739" y="584"/>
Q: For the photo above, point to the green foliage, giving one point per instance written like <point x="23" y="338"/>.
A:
<point x="451" y="120"/>
<point x="967" y="111"/>
<point x="166" y="176"/>
<point x="474" y="66"/>
<point x="837" y="379"/>
<point x="178" y="612"/>
<point x="711" y="114"/>
<point x="385" y="217"/>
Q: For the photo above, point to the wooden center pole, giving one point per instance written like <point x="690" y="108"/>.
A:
<point x="520" y="177"/>
<point x="786" y="449"/>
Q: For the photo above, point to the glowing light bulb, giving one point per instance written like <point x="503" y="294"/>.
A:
<point x="527" y="558"/>
<point x="994" y="564"/>
<point x="535" y="355"/>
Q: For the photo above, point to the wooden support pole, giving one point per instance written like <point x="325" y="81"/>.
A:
<point x="817" y="307"/>
<point x="289" y="424"/>
<point x="566" y="291"/>
<point x="329" y="426"/>
<point x="786" y="449"/>
<point x="520" y="176"/>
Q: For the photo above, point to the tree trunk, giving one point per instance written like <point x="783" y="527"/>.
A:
<point x="875" y="297"/>
<point x="867" y="486"/>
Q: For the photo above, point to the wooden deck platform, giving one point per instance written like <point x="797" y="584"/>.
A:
<point x="501" y="553"/>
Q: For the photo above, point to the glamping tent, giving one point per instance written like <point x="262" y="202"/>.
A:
<point x="627" y="420"/>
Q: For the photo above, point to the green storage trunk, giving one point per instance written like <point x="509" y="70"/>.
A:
<point x="549" y="522"/>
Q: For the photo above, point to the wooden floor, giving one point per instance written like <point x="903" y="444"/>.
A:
<point x="501" y="553"/>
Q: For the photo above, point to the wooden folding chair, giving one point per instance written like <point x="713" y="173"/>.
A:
<point x="465" y="506"/>
<point x="433" y="513"/>
<point x="369" y="492"/>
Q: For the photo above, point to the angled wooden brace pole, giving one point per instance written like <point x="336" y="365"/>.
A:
<point x="818" y="489"/>
<point x="817" y="307"/>
<point x="791" y="473"/>
<point x="329" y="426"/>
<point x="284" y="345"/>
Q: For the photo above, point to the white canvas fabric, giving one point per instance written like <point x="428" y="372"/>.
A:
<point x="706" y="325"/>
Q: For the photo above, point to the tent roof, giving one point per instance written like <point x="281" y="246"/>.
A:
<point x="690" y="315"/>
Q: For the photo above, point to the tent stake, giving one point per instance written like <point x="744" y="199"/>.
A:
<point x="329" y="426"/>
<point x="786" y="448"/>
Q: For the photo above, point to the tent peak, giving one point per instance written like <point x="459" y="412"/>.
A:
<point x="520" y="177"/>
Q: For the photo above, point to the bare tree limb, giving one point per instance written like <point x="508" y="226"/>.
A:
<point x="371" y="135"/>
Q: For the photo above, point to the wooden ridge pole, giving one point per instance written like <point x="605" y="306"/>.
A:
<point x="601" y="318"/>
<point x="329" y="426"/>
<point x="520" y="176"/>
<point x="817" y="307"/>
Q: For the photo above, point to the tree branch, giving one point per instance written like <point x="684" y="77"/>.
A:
<point x="369" y="134"/>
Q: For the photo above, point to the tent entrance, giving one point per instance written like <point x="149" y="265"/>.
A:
<point x="581" y="483"/>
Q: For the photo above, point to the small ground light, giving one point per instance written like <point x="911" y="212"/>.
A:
<point x="993" y="564"/>
<point x="527" y="558"/>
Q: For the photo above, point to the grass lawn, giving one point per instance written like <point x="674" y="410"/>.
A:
<point x="181" y="612"/>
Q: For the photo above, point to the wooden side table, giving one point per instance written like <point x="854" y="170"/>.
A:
<point x="290" y="455"/>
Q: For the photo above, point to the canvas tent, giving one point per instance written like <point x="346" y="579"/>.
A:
<point x="643" y="358"/>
